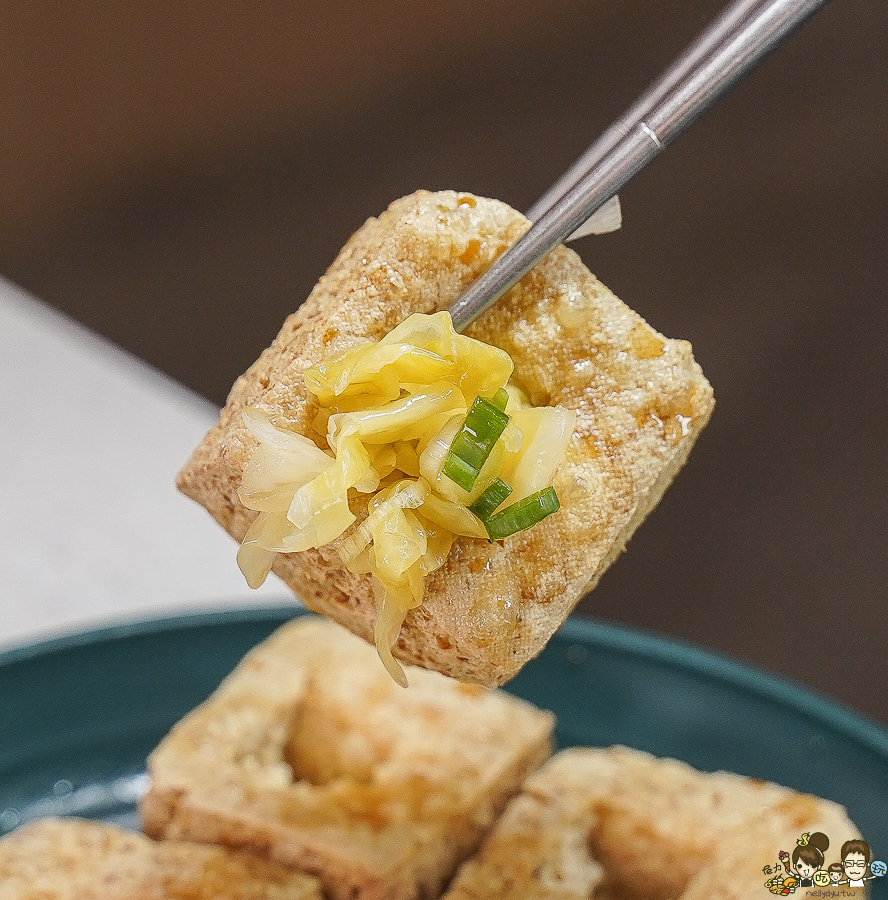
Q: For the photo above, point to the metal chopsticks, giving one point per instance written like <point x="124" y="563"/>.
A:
<point x="727" y="50"/>
<point x="708" y="41"/>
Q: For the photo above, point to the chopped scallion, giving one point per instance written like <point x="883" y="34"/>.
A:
<point x="473" y="442"/>
<point x="459" y="470"/>
<point x="490" y="499"/>
<point x="500" y="399"/>
<point x="523" y="514"/>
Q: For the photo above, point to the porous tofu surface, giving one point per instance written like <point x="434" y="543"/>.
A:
<point x="74" y="859"/>
<point x="641" y="401"/>
<point x="618" y="824"/>
<point x="311" y="755"/>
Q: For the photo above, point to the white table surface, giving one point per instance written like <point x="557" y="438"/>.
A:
<point x="93" y="530"/>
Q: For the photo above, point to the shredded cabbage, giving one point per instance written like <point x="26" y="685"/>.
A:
<point x="389" y="412"/>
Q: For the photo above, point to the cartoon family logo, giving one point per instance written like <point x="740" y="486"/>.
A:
<point x="805" y="868"/>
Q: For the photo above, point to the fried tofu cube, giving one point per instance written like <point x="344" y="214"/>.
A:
<point x="309" y="754"/>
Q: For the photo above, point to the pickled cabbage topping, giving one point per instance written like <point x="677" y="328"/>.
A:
<point x="426" y="423"/>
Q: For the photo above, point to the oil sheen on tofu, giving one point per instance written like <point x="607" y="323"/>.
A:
<point x="424" y="421"/>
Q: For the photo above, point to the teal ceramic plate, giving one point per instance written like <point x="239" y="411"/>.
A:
<point x="78" y="715"/>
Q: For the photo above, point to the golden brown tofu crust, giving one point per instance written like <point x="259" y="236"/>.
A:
<point x="641" y="401"/>
<point x="619" y="824"/>
<point x="73" y="859"/>
<point x="311" y="755"/>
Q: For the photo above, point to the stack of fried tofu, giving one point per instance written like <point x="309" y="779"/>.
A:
<point x="310" y="774"/>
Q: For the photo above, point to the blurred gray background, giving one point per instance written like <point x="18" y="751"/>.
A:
<point x="177" y="176"/>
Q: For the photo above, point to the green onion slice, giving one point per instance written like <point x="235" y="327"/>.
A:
<point x="473" y="442"/>
<point x="500" y="399"/>
<point x="523" y="514"/>
<point x="490" y="499"/>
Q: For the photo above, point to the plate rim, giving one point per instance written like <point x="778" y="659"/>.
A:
<point x="670" y="651"/>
